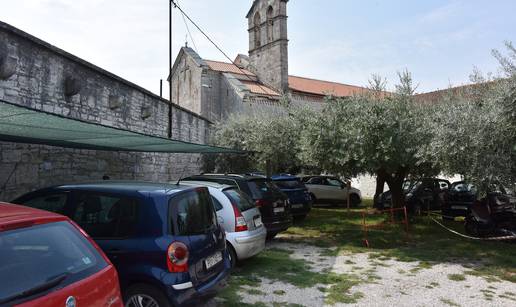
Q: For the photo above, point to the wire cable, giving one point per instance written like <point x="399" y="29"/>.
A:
<point x="188" y="30"/>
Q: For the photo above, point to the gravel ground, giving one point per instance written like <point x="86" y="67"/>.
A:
<point x="386" y="282"/>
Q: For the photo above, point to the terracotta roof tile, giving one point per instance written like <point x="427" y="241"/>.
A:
<point x="260" y="89"/>
<point x="228" y="67"/>
<point x="320" y="87"/>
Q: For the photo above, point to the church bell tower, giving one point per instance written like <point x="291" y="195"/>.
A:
<point x="268" y="42"/>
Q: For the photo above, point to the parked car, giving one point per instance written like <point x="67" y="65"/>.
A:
<point x="421" y="194"/>
<point x="297" y="193"/>
<point x="242" y="221"/>
<point x="331" y="190"/>
<point x="47" y="260"/>
<point x="493" y="215"/>
<point x="459" y="199"/>
<point x="163" y="239"/>
<point x="273" y="204"/>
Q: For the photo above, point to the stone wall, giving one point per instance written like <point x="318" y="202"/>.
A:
<point x="38" y="75"/>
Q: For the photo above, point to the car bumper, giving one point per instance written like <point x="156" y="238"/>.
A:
<point x="300" y="209"/>
<point x="278" y="225"/>
<point x="247" y="243"/>
<point x="193" y="295"/>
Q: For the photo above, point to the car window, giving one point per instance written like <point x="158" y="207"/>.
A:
<point x="106" y="216"/>
<point x="261" y="187"/>
<point x="32" y="256"/>
<point x="315" y="180"/>
<point x="53" y="202"/>
<point x="192" y="213"/>
<point x="241" y="200"/>
<point x="443" y="185"/>
<point x="289" y="184"/>
<point x="334" y="182"/>
<point x="216" y="204"/>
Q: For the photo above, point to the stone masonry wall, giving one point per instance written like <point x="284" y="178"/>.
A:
<point x="38" y="75"/>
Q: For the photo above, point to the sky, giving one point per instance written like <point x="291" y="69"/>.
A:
<point x="439" y="41"/>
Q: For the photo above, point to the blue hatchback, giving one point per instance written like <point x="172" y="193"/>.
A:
<point x="163" y="239"/>
<point x="297" y="193"/>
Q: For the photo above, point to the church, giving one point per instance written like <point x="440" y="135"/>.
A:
<point x="254" y="83"/>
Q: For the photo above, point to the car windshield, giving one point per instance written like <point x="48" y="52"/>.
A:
<point x="192" y="212"/>
<point x="289" y="184"/>
<point x="463" y="187"/>
<point x="411" y="185"/>
<point x="241" y="200"/>
<point x="262" y="187"/>
<point x="34" y="256"/>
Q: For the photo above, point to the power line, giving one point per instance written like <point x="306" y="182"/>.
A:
<point x="188" y="30"/>
<point x="215" y="44"/>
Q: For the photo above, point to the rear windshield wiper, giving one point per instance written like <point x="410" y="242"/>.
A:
<point x="49" y="284"/>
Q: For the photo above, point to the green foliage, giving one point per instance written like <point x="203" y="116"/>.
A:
<point x="474" y="130"/>
<point x="268" y="138"/>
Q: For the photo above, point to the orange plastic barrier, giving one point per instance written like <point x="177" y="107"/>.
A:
<point x="390" y="221"/>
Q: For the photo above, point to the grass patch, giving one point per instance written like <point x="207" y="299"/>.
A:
<point x="449" y="302"/>
<point x="255" y="292"/>
<point x="457" y="277"/>
<point x="279" y="292"/>
<point x="427" y="242"/>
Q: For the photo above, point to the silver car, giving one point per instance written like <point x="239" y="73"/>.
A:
<point x="236" y="212"/>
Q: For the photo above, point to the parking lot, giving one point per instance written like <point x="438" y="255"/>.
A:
<point x="328" y="266"/>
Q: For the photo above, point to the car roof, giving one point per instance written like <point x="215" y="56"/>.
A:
<point x="121" y="186"/>
<point x="11" y="213"/>
<point x="228" y="176"/>
<point x="284" y="177"/>
<point x="210" y="184"/>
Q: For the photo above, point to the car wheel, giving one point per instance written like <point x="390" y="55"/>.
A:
<point x="141" y="295"/>
<point x="299" y="218"/>
<point x="354" y="199"/>
<point x="232" y="255"/>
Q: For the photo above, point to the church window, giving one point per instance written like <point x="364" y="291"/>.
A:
<point x="270" y="24"/>
<point x="257" y="32"/>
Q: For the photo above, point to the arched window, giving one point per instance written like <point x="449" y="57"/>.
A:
<point x="270" y="24"/>
<point x="257" y="32"/>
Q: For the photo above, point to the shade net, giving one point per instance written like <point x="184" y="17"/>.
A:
<point x="24" y="125"/>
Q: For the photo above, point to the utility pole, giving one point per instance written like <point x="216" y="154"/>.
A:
<point x="170" y="2"/>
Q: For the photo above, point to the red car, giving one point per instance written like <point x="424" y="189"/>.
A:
<point x="47" y="260"/>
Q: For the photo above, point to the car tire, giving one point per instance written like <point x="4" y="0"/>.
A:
<point x="141" y="294"/>
<point x="233" y="259"/>
<point x="355" y="200"/>
<point x="417" y="209"/>
<point x="300" y="218"/>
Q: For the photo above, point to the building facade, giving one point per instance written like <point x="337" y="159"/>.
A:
<point x="253" y="83"/>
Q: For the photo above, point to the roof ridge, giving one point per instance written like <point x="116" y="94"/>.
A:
<point x="320" y="80"/>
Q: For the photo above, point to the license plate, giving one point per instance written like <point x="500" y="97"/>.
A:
<point x="297" y="206"/>
<point x="212" y="260"/>
<point x="279" y="209"/>
<point x="258" y="222"/>
<point x="459" y="207"/>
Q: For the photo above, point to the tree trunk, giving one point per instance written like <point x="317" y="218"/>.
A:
<point x="380" y="182"/>
<point x="395" y="183"/>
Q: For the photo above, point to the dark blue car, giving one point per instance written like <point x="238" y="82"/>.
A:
<point x="297" y="193"/>
<point x="163" y="239"/>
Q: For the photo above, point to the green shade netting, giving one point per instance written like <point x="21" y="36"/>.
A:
<point x="24" y="125"/>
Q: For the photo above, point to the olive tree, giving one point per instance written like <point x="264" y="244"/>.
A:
<point x="271" y="141"/>
<point x="370" y="133"/>
<point x="474" y="130"/>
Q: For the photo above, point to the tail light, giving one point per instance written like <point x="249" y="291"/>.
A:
<point x="240" y="222"/>
<point x="177" y="257"/>
<point x="261" y="203"/>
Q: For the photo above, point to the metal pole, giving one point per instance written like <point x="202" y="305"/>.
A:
<point x="160" y="88"/>
<point x="170" y="68"/>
